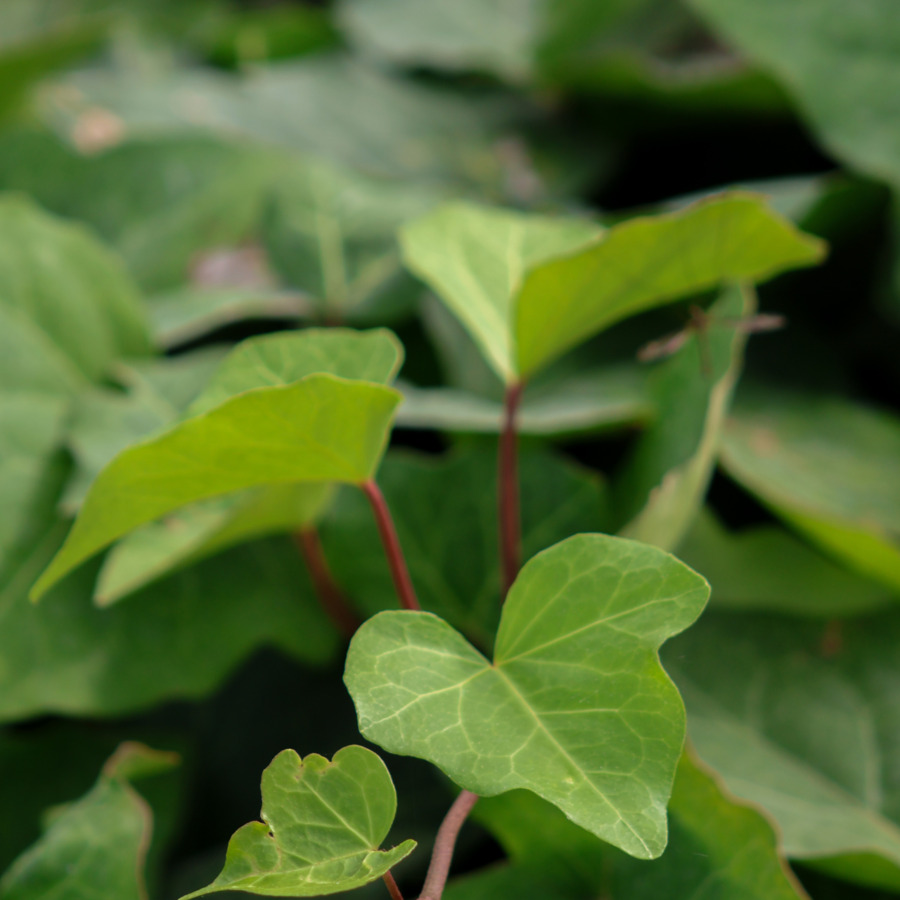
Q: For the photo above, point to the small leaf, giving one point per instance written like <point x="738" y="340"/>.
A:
<point x="829" y="469"/>
<point x="674" y="460"/>
<point x="323" y="823"/>
<point x="320" y="429"/>
<point x="575" y="706"/>
<point x="475" y="258"/>
<point x="286" y="357"/>
<point x="648" y="261"/>
<point x="97" y="845"/>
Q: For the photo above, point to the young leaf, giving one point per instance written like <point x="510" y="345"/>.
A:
<point x="286" y="357"/>
<point x="652" y="260"/>
<point x="475" y="258"/>
<point x="97" y="845"/>
<point x="666" y="479"/>
<point x="322" y="428"/>
<point x="575" y="706"/>
<point x="829" y="469"/>
<point x="804" y="722"/>
<point x="323" y="822"/>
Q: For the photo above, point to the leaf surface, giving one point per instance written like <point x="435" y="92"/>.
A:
<point x="323" y="822"/>
<point x="319" y="429"/>
<point x="581" y="625"/>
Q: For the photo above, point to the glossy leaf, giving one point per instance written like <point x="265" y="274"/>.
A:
<point x="65" y="295"/>
<point x="584" y="619"/>
<point x="649" y="261"/>
<point x="286" y="357"/>
<point x="829" y="468"/>
<point x="319" y="429"/>
<point x="460" y="492"/>
<point x="476" y="257"/>
<point x="673" y="463"/>
<point x="801" y="719"/>
<point x="96" y="845"/>
<point x="323" y="822"/>
<point x="765" y="568"/>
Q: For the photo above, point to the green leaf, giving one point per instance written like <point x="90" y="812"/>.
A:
<point x="583" y="622"/>
<point x="719" y="848"/>
<point x="331" y="233"/>
<point x="828" y="467"/>
<point x="286" y="357"/>
<point x="648" y="261"/>
<point x="837" y="61"/>
<point x="319" y="429"/>
<point x="673" y="463"/>
<point x="476" y="257"/>
<point x="97" y="845"/>
<point x="65" y="294"/>
<point x="323" y="822"/>
<point x="605" y="398"/>
<point x="203" y="529"/>
<point x="765" y="568"/>
<point x="801" y="719"/>
<point x="459" y="492"/>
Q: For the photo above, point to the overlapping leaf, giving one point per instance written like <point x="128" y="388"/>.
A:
<point x="323" y="824"/>
<point x="574" y="707"/>
<point x="829" y="468"/>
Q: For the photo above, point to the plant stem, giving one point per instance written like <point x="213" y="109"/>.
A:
<point x="391" y="544"/>
<point x="331" y="597"/>
<point x="393" y="890"/>
<point x="444" y="843"/>
<point x="508" y="489"/>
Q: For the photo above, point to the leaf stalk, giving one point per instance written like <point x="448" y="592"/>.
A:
<point x="508" y="489"/>
<point x="444" y="844"/>
<point x="331" y="598"/>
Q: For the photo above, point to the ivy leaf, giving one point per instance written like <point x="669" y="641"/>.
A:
<point x="574" y="707"/>
<point x="96" y="845"/>
<point x="475" y="258"/>
<point x="320" y="429"/>
<point x="674" y="460"/>
<point x="323" y="822"/>
<point x="286" y="357"/>
<point x="801" y="718"/>
<point x="829" y="469"/>
<point x="652" y="260"/>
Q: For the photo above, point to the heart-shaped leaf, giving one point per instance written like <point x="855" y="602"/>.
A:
<point x="575" y="706"/>
<point x="322" y="428"/>
<point x="323" y="822"/>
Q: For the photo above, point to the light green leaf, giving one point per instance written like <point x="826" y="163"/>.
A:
<point x="828" y="467"/>
<point x="476" y="257"/>
<point x="605" y="398"/>
<point x="286" y="357"/>
<point x="719" y="848"/>
<point x="765" y="568"/>
<point x="485" y="35"/>
<point x="665" y="482"/>
<point x="574" y="707"/>
<point x="331" y="233"/>
<point x="204" y="529"/>
<point x="838" y="63"/>
<point x="460" y="492"/>
<point x="801" y="718"/>
<point x="97" y="845"/>
<point x="319" y="429"/>
<point x="323" y="822"/>
<point x="66" y="294"/>
<point x="648" y="261"/>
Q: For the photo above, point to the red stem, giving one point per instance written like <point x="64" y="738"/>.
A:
<point x="399" y="572"/>
<point x="508" y="489"/>
<point x="393" y="890"/>
<point x="444" y="844"/>
<point x="331" y="597"/>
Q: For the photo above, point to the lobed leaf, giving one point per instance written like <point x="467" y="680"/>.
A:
<point x="323" y="822"/>
<point x="575" y="706"/>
